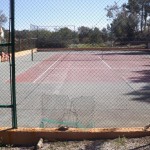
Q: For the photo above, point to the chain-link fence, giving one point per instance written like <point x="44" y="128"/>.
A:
<point x="5" y="73"/>
<point x="82" y="64"/>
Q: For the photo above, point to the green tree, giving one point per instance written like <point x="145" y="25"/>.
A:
<point x="43" y="38"/>
<point x="140" y="9"/>
<point x="67" y="35"/>
<point x="58" y="38"/>
<point x="84" y="34"/>
<point x="124" y="23"/>
<point x="95" y="36"/>
<point x="105" y="34"/>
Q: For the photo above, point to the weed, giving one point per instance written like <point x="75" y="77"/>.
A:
<point x="120" y="141"/>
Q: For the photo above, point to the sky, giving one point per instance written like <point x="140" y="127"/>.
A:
<point x="71" y="13"/>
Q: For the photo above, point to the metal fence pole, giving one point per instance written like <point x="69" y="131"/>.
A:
<point x="14" y="111"/>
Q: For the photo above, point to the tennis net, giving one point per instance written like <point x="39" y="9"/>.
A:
<point x="90" y="55"/>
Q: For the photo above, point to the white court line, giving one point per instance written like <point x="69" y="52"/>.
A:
<point x="62" y="68"/>
<point x="80" y="68"/>
<point x="128" y="83"/>
<point x="105" y="63"/>
<point x="47" y="69"/>
<point x="62" y="80"/>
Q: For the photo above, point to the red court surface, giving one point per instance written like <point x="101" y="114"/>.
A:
<point x="85" y="68"/>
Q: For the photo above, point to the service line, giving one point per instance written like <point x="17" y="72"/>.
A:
<point x="47" y="69"/>
<point x="105" y="63"/>
<point x="62" y="80"/>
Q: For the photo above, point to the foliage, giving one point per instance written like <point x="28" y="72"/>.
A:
<point x="130" y="20"/>
<point x="65" y="37"/>
<point x="60" y="38"/>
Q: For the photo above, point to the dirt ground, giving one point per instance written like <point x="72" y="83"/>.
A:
<point x="123" y="143"/>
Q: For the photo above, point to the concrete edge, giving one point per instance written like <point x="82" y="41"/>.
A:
<point x="30" y="136"/>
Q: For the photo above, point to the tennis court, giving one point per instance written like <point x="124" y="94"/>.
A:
<point x="81" y="89"/>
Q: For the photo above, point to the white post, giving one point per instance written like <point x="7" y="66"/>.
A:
<point x="1" y="34"/>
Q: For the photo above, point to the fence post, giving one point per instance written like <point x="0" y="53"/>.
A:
<point x="14" y="112"/>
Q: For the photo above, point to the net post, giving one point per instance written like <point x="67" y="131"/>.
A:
<point x="32" y="54"/>
<point x="33" y="39"/>
<point x="13" y="82"/>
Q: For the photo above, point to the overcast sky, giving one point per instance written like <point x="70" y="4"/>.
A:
<point x="89" y="13"/>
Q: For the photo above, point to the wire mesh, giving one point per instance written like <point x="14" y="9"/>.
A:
<point x="5" y="66"/>
<point x="90" y="55"/>
<point x="60" y="110"/>
<point x="81" y="64"/>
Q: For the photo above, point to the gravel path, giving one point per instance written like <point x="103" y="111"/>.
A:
<point x="115" y="144"/>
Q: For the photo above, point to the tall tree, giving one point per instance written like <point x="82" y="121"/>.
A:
<point x="140" y="8"/>
<point x="95" y="36"/>
<point x="67" y="35"/>
<point x="124" y="19"/>
<point x="84" y="34"/>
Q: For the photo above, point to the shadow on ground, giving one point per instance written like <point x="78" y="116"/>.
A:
<point x="142" y="94"/>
